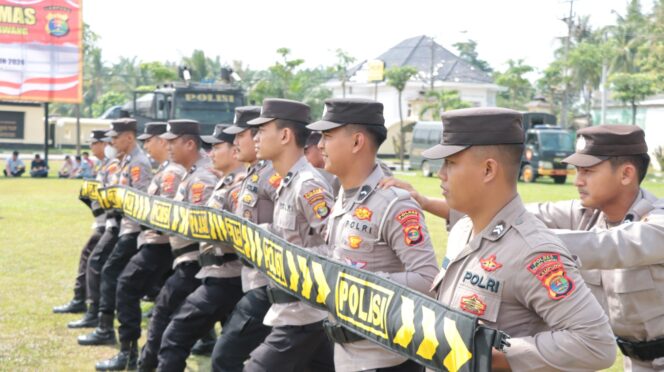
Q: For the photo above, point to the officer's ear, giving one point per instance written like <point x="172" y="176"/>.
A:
<point x="628" y="174"/>
<point x="359" y="141"/>
<point x="490" y="170"/>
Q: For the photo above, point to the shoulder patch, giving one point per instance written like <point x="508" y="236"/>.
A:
<point x="197" y="192"/>
<point x="321" y="210"/>
<point x="412" y="227"/>
<point x="167" y="182"/>
<point x="548" y="268"/>
<point x="135" y="173"/>
<point x="314" y="196"/>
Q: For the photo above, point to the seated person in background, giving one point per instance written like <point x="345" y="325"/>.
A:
<point x="83" y="169"/>
<point x="14" y="166"/>
<point x="38" y="168"/>
<point x="67" y="168"/>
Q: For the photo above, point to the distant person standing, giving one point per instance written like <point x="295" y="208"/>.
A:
<point x="38" y="167"/>
<point x="15" y="166"/>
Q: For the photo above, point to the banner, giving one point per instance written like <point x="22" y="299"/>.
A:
<point x="41" y="50"/>
<point x="376" y="308"/>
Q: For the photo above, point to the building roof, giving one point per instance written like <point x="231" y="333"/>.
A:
<point x="417" y="52"/>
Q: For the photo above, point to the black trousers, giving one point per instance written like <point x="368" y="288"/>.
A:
<point x="176" y="289"/>
<point x="96" y="263"/>
<point x="143" y="271"/>
<point x="293" y="348"/>
<point x="212" y="301"/>
<point x="242" y="333"/>
<point x="80" y="283"/>
<point x="123" y="251"/>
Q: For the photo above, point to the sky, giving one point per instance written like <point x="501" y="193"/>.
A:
<point x="252" y="30"/>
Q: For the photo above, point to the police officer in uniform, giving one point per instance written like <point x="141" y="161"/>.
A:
<point x="195" y="188"/>
<point x="109" y="176"/>
<point x="379" y="230"/>
<point x="619" y="237"/>
<point x="153" y="259"/>
<point x="244" y="330"/>
<point x="297" y="340"/>
<point x="98" y="141"/>
<point x="136" y="172"/>
<point x="502" y="264"/>
<point x="221" y="286"/>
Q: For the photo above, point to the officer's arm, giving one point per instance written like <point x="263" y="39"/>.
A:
<point x="435" y="206"/>
<point x="628" y="245"/>
<point x="200" y="190"/>
<point x="315" y="201"/>
<point x="580" y="337"/>
<point x="141" y="175"/>
<point x="170" y="181"/>
<point x="555" y="215"/>
<point x="406" y="233"/>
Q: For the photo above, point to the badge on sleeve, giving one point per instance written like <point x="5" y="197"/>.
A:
<point x="412" y="228"/>
<point x="321" y="210"/>
<point x="197" y="192"/>
<point x="167" y="182"/>
<point x="314" y="196"/>
<point x="548" y="268"/>
<point x="354" y="241"/>
<point x="135" y="174"/>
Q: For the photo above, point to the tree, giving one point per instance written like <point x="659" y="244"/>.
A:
<point x="632" y="88"/>
<point x="626" y="38"/>
<point x="519" y="89"/>
<point x="398" y="77"/>
<point x="585" y="64"/>
<point x="106" y="101"/>
<point x="443" y="100"/>
<point x="467" y="51"/>
<point x="344" y="60"/>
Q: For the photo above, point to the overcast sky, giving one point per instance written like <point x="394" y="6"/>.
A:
<point x="252" y="30"/>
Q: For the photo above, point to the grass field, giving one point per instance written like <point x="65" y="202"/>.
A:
<point x="42" y="229"/>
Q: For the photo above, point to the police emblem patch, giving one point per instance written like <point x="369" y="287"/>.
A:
<point x="490" y="263"/>
<point x="473" y="304"/>
<point x="580" y="144"/>
<point x="275" y="180"/>
<point x="197" y="192"/>
<point x="354" y="241"/>
<point x="363" y="213"/>
<point x="167" y="182"/>
<point x="412" y="229"/>
<point x="321" y="210"/>
<point x="254" y="178"/>
<point x="355" y="264"/>
<point x="135" y="174"/>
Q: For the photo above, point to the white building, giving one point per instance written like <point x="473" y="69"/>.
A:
<point x="421" y="52"/>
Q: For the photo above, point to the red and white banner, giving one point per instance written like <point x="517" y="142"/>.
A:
<point x="41" y="50"/>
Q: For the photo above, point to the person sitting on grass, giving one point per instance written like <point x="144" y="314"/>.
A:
<point x="67" y="168"/>
<point x="84" y="169"/>
<point x="38" y="168"/>
<point x="15" y="166"/>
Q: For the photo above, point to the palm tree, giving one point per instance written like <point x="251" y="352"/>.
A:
<point x="398" y="77"/>
<point x="443" y="100"/>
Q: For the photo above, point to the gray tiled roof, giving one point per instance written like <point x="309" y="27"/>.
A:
<point x="416" y="52"/>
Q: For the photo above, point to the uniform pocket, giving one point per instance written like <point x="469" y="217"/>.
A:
<point x="249" y="199"/>
<point x="633" y="280"/>
<point x="286" y="220"/>
<point x="484" y="304"/>
<point x="635" y="288"/>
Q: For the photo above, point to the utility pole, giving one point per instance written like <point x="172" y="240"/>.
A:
<point x="570" y="22"/>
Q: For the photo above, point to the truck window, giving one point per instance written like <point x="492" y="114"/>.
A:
<point x="434" y="137"/>
<point x="557" y="141"/>
<point x="420" y="136"/>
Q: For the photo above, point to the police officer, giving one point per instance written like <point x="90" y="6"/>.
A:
<point x="244" y="330"/>
<point x="98" y="141"/>
<point x="619" y="237"/>
<point x="379" y="230"/>
<point x="184" y="146"/>
<point x="108" y="177"/>
<point x="136" y="172"/>
<point x="153" y="260"/>
<point x="502" y="264"/>
<point x="297" y="340"/>
<point x="221" y="286"/>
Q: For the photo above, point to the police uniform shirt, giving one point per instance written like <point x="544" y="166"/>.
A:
<point x="516" y="276"/>
<point x="164" y="183"/>
<point x="256" y="204"/>
<point x="381" y="231"/>
<point x="300" y="214"/>
<point x="626" y="262"/>
<point x="195" y="188"/>
<point x="136" y="172"/>
<point x="100" y="218"/>
<point x="224" y="197"/>
<point x="110" y="176"/>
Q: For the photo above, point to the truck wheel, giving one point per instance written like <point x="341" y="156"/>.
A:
<point x="559" y="179"/>
<point x="528" y="174"/>
<point x="426" y="169"/>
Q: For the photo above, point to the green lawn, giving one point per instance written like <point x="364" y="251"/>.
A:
<point x="42" y="229"/>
